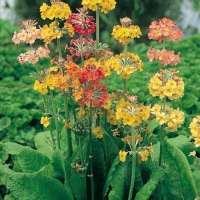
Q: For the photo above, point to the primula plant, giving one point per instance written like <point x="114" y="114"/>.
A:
<point x="99" y="144"/>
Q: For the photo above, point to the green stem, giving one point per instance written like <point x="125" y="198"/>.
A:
<point x="81" y="46"/>
<point x="133" y="165"/>
<point x="83" y="178"/>
<point x="162" y="135"/>
<point x="69" y="139"/>
<point x="90" y="155"/>
<point x="97" y="29"/>
<point x="125" y="63"/>
<point x="56" y="119"/>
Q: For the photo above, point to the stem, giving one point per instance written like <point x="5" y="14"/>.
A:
<point x="133" y="165"/>
<point x="56" y="119"/>
<point x="162" y="135"/>
<point x="69" y="139"/>
<point x="81" y="46"/>
<point x="125" y="63"/>
<point x="97" y="30"/>
<point x="90" y="155"/>
<point x="83" y="178"/>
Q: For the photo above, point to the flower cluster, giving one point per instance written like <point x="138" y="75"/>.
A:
<point x="104" y="5"/>
<point x="164" y="56"/>
<point x="173" y="118"/>
<point x="57" y="10"/>
<point x="33" y="56"/>
<point x="86" y="49"/>
<point x="164" y="28"/>
<point x="28" y="34"/>
<point x="195" y="130"/>
<point x="91" y="91"/>
<point x="125" y="69"/>
<point x="125" y="33"/>
<point x="81" y="22"/>
<point x="98" y="132"/>
<point x="131" y="114"/>
<point x="166" y="84"/>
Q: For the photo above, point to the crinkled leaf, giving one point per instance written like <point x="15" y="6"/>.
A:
<point x="13" y="148"/>
<point x="118" y="180"/>
<point x="36" y="186"/>
<point x="31" y="160"/>
<point x="99" y="167"/>
<point x="4" y="174"/>
<point x="4" y="123"/>
<point x="146" y="191"/>
<point x="41" y="143"/>
<point x="178" y="182"/>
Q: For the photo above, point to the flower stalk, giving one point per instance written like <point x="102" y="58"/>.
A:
<point x="133" y="165"/>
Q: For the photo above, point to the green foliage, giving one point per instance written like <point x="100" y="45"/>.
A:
<point x="146" y="191"/>
<point x="25" y="186"/>
<point x="178" y="181"/>
<point x="118" y="180"/>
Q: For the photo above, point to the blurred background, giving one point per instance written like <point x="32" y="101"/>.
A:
<point x="185" y="12"/>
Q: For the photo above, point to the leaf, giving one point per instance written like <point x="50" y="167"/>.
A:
<point x="111" y="150"/>
<point x="184" y="144"/>
<point x="178" y="182"/>
<point x="36" y="186"/>
<point x="9" y="197"/>
<point x="146" y="191"/>
<point x="77" y="184"/>
<point x="99" y="167"/>
<point x="5" y="172"/>
<point x="31" y="160"/>
<point x="41" y="145"/>
<point x="152" y="125"/>
<point x="118" y="180"/>
<point x="13" y="148"/>
<point x="5" y="122"/>
<point x="196" y="175"/>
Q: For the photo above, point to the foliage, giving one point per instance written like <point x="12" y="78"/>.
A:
<point x="95" y="143"/>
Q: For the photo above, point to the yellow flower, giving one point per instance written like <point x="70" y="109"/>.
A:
<point x="107" y="104"/>
<point x="45" y="121"/>
<point x="81" y="112"/>
<point x="144" y="155"/>
<point x="160" y="117"/>
<point x="156" y="108"/>
<point x="193" y="153"/>
<point x="98" y="132"/>
<point x="122" y="155"/>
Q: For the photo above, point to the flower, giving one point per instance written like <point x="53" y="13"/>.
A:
<point x="125" y="33"/>
<point x="164" y="56"/>
<point x="81" y="22"/>
<point x="104" y="5"/>
<point x="98" y="132"/>
<point x="164" y="28"/>
<point x="122" y="155"/>
<point x="195" y="130"/>
<point x="45" y="121"/>
<point x="166" y="84"/>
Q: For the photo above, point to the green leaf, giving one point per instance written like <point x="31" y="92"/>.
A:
<point x="36" y="186"/>
<point x="4" y="123"/>
<point x="152" y="125"/>
<point x="5" y="172"/>
<point x="41" y="145"/>
<point x="184" y="144"/>
<point x="178" y="182"/>
<point x="111" y="150"/>
<point x="99" y="167"/>
<point x="77" y="184"/>
<point x="9" y="197"/>
<point x="13" y="148"/>
<point x="146" y="191"/>
<point x="31" y="160"/>
<point x="118" y="180"/>
<point x="196" y="175"/>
